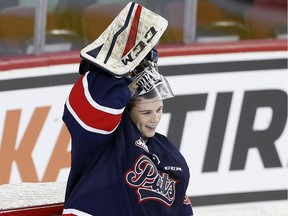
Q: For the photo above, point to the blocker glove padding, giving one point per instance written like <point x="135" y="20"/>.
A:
<point x="152" y="56"/>
<point x="126" y="41"/>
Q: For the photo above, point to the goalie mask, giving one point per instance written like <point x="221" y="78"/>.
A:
<point x="149" y="83"/>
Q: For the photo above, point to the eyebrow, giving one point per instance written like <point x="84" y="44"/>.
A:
<point x="148" y="110"/>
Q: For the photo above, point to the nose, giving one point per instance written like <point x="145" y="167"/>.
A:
<point x="155" y="118"/>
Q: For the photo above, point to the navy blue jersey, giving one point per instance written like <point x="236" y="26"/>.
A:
<point x="114" y="170"/>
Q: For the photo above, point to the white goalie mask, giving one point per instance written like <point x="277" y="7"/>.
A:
<point x="149" y="83"/>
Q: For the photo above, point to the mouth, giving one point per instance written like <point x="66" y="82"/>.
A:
<point x="151" y="127"/>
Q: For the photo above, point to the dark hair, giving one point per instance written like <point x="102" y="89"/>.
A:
<point x="129" y="107"/>
<point x="148" y="95"/>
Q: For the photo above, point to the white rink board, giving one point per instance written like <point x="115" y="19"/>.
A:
<point x="197" y="126"/>
<point x="274" y="208"/>
<point x="255" y="177"/>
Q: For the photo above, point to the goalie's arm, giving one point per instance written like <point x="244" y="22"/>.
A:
<point x="97" y="101"/>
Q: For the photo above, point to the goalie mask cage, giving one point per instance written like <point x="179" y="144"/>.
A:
<point x="32" y="199"/>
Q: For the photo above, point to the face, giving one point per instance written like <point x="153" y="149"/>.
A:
<point x="146" y="114"/>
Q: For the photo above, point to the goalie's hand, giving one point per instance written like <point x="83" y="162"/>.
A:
<point x="84" y="67"/>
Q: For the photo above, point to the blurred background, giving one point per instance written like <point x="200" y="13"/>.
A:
<point x="30" y="26"/>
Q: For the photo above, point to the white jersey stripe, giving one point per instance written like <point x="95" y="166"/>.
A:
<point x="85" y="126"/>
<point x="75" y="212"/>
<point x="93" y="103"/>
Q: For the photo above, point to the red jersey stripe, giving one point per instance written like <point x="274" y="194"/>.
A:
<point x="90" y="115"/>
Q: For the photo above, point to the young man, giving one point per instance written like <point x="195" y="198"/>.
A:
<point x="120" y="165"/>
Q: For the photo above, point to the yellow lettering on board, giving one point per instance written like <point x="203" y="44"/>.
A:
<point x="22" y="156"/>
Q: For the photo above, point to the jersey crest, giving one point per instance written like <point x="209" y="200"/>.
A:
<point x="142" y="144"/>
<point x="149" y="183"/>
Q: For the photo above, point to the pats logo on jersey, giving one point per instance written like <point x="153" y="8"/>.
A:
<point x="149" y="183"/>
<point x="142" y="144"/>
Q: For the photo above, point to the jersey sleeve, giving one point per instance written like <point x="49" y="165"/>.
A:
<point x="97" y="101"/>
<point x="187" y="207"/>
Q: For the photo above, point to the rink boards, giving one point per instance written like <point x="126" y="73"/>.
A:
<point x="228" y="118"/>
